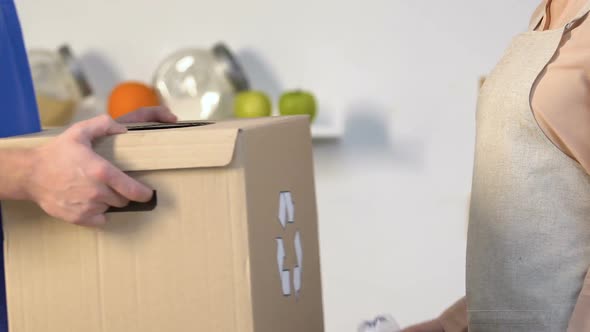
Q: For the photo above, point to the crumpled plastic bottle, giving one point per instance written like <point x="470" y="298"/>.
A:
<point x="381" y="323"/>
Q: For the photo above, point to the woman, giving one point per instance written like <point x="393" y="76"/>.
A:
<point x="528" y="246"/>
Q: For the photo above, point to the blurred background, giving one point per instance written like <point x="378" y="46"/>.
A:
<point x="396" y="84"/>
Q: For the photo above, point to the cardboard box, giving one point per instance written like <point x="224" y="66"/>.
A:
<point x="231" y="244"/>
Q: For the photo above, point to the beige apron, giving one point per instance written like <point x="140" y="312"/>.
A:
<point x="528" y="246"/>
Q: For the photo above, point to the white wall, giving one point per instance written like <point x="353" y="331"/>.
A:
<point x="393" y="193"/>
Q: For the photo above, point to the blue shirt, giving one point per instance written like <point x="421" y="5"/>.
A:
<point x="18" y="107"/>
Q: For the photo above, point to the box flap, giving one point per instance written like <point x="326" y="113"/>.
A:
<point x="255" y="123"/>
<point x="155" y="146"/>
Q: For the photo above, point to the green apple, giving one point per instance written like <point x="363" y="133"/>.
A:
<point x="298" y="102"/>
<point x="252" y="104"/>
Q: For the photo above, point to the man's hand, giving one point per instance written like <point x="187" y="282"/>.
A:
<point x="149" y="114"/>
<point x="71" y="182"/>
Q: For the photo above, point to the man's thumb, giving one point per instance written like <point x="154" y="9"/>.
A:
<point x="100" y="126"/>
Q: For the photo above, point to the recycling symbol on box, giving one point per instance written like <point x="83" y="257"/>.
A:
<point x="287" y="219"/>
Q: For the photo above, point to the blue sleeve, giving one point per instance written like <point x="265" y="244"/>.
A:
<point x="18" y="107"/>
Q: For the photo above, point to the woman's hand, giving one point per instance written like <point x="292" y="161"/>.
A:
<point x="430" y="326"/>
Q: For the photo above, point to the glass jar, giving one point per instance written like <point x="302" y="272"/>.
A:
<point x="200" y="84"/>
<point x="60" y="85"/>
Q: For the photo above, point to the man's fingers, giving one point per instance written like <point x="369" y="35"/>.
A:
<point x="96" y="220"/>
<point x="93" y="215"/>
<point x="97" y="127"/>
<point x="111" y="198"/>
<point x="149" y="114"/>
<point x="127" y="187"/>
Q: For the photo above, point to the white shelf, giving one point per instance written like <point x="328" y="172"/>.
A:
<point x="325" y="132"/>
<point x="328" y="126"/>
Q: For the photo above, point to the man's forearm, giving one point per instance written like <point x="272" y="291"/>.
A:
<point x="15" y="166"/>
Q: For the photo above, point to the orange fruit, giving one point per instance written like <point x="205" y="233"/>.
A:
<point x="129" y="96"/>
